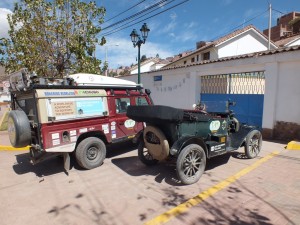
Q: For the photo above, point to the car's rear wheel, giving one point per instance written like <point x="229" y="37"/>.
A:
<point x="191" y="164"/>
<point x="253" y="144"/>
<point x="145" y="156"/>
<point x="90" y="153"/>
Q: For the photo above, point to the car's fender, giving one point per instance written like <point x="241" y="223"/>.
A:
<point x="184" y="141"/>
<point x="238" y="138"/>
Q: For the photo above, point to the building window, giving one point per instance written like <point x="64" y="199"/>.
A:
<point x="193" y="60"/>
<point x="197" y="58"/>
<point x="206" y="56"/>
<point x="184" y="62"/>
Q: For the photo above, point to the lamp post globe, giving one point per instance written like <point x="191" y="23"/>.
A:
<point x="138" y="41"/>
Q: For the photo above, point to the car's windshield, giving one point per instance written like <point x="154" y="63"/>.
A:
<point x="215" y="106"/>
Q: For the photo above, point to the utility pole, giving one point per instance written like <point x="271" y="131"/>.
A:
<point x="270" y="21"/>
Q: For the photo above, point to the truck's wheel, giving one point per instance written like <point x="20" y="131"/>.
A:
<point x="145" y="156"/>
<point x="18" y="128"/>
<point x="90" y="153"/>
<point x="191" y="164"/>
<point x="253" y="144"/>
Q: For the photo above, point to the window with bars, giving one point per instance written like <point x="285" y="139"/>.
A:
<point x="234" y="83"/>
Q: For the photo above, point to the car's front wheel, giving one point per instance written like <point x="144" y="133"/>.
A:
<point x="253" y="144"/>
<point x="191" y="164"/>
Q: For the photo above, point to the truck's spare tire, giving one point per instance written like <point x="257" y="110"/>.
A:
<point x="156" y="143"/>
<point x="19" y="131"/>
<point x="155" y="114"/>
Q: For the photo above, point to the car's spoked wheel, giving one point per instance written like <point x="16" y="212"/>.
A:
<point x="191" y="164"/>
<point x="145" y="156"/>
<point x="253" y="144"/>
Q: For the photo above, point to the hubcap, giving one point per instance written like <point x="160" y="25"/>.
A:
<point x="92" y="153"/>
<point x="191" y="164"/>
<point x="254" y="145"/>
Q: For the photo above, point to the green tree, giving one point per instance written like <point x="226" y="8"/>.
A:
<point x="53" y="37"/>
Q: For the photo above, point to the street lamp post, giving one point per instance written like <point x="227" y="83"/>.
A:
<point x="106" y="62"/>
<point x="138" y="41"/>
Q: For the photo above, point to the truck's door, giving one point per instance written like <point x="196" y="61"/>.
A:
<point x="122" y="127"/>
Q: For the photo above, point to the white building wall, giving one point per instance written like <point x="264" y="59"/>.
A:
<point x="243" y="44"/>
<point x="181" y="87"/>
<point x="296" y="42"/>
<point x="288" y="92"/>
<point x="144" y="68"/>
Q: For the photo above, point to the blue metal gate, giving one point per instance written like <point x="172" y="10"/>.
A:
<point x="246" y="89"/>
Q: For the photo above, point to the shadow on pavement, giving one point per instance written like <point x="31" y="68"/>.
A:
<point x="217" y="161"/>
<point x="54" y="165"/>
<point x="163" y="171"/>
<point x="120" y="148"/>
<point x="45" y="168"/>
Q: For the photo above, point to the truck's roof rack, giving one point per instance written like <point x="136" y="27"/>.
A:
<point x="22" y="81"/>
<point x="85" y="79"/>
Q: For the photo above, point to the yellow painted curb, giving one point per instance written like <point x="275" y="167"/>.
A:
<point x="10" y="148"/>
<point x="293" y="145"/>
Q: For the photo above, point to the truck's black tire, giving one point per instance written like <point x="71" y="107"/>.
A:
<point x="145" y="156"/>
<point x="18" y="128"/>
<point x="190" y="164"/>
<point x="90" y="153"/>
<point x="253" y="144"/>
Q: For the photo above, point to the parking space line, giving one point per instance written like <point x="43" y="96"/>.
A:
<point x="165" y="217"/>
<point x="10" y="148"/>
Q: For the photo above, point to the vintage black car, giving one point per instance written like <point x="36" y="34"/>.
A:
<point x="192" y="136"/>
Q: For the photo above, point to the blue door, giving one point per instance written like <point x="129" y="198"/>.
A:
<point x="246" y="89"/>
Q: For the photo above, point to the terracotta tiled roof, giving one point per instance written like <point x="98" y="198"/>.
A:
<point x="285" y="41"/>
<point x="225" y="38"/>
<point x="155" y="60"/>
<point x="255" y="54"/>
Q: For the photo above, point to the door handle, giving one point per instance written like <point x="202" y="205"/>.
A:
<point x="121" y="123"/>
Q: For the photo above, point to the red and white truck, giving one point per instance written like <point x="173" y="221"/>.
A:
<point x="82" y="113"/>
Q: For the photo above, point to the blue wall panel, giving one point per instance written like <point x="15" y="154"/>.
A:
<point x="248" y="108"/>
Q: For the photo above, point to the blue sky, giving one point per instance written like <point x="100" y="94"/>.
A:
<point x="177" y="29"/>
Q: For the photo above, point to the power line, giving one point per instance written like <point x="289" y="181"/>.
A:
<point x="240" y="25"/>
<point x="124" y="26"/>
<point x="125" y="10"/>
<point x="137" y="18"/>
<point x="136" y="14"/>
<point x="278" y="11"/>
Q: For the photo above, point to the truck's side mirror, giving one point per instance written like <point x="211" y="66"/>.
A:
<point x="147" y="91"/>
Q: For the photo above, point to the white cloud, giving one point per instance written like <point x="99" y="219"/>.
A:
<point x="191" y="25"/>
<point x="125" y="54"/>
<point x="3" y="22"/>
<point x="251" y="12"/>
<point x="227" y="2"/>
<point x="172" y="25"/>
<point x="173" y="16"/>
<point x="187" y="35"/>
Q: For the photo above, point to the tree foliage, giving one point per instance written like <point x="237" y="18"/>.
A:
<point x="53" y="37"/>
